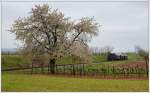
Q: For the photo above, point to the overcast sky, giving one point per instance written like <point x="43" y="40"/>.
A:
<point x="124" y="24"/>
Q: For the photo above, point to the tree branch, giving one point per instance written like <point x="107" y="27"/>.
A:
<point x="39" y="42"/>
<point x="74" y="39"/>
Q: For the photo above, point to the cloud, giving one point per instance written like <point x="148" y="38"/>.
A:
<point x="124" y="24"/>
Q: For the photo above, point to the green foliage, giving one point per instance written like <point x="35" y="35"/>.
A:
<point x="98" y="58"/>
<point x="37" y="83"/>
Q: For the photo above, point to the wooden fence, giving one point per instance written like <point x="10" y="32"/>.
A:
<point x="84" y="69"/>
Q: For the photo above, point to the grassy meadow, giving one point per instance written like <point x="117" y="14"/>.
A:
<point x="16" y="81"/>
<point x="35" y="83"/>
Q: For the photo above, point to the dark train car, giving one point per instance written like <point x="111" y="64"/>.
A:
<point x="113" y="56"/>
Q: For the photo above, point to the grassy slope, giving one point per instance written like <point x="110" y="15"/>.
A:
<point x="22" y="82"/>
<point x="97" y="58"/>
<point x="12" y="61"/>
<point x="134" y="57"/>
<point x="65" y="60"/>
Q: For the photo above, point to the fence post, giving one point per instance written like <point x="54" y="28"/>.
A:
<point x="56" y="68"/>
<point x="123" y="72"/>
<point x="48" y="68"/>
<point x="32" y="68"/>
<point x="80" y="70"/>
<point x="73" y="69"/>
<point x="77" y="69"/>
<point x="42" y="68"/>
<point x="64" y="69"/>
<point x="138" y="71"/>
<point x="108" y="71"/>
<point x="114" y="74"/>
<point x="127" y="72"/>
<point x="83" y="69"/>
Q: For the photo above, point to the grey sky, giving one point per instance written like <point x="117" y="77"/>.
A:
<point x="124" y="24"/>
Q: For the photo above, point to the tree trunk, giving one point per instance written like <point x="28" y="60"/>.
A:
<point x="52" y="66"/>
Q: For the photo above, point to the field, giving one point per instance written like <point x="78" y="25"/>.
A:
<point x="14" y="61"/>
<point x="99" y="65"/>
<point x="25" y="82"/>
<point x="101" y="75"/>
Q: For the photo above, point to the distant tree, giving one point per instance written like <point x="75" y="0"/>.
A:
<point x="95" y="50"/>
<point x="108" y="49"/>
<point x="102" y="51"/>
<point x="143" y="53"/>
<point x="81" y="52"/>
<point x="49" y="31"/>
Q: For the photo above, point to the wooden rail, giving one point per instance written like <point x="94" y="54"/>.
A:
<point x="12" y="69"/>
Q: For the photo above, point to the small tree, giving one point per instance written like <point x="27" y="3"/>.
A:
<point x="145" y="54"/>
<point x="49" y="31"/>
<point x="81" y="52"/>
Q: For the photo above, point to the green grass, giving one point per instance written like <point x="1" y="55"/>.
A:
<point x="13" y="61"/>
<point x="24" y="82"/>
<point x="65" y="60"/>
<point x="134" y="57"/>
<point x="98" y="58"/>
